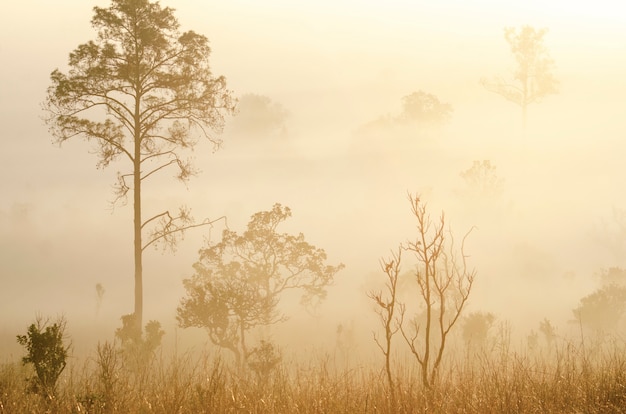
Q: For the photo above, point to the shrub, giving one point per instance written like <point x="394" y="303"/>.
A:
<point x="47" y="353"/>
<point x="138" y="347"/>
<point x="263" y="359"/>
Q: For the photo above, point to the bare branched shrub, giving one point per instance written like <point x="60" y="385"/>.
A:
<point x="444" y="285"/>
<point x="386" y="308"/>
<point x="108" y="370"/>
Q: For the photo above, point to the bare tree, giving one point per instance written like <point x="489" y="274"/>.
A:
<point x="386" y="308"/>
<point x="533" y="79"/>
<point x="444" y="288"/>
<point x="138" y="92"/>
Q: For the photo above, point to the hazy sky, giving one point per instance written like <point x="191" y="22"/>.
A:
<point x="335" y="66"/>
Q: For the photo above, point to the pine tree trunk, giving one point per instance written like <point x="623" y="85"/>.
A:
<point x="137" y="223"/>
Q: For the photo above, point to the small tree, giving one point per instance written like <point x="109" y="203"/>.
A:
<point x="263" y="360"/>
<point x="611" y="234"/>
<point x="613" y="276"/>
<point x="137" y="347"/>
<point x="259" y="116"/>
<point x="47" y="352"/>
<point x="238" y="282"/>
<point x="549" y="331"/>
<point x="476" y="328"/>
<point x="386" y="309"/>
<point x="345" y="341"/>
<point x="99" y="296"/>
<point x="138" y="93"/>
<point x="482" y="180"/>
<point x="602" y="310"/>
<point x="533" y="80"/>
<point x="424" y="108"/>
<point x="444" y="288"/>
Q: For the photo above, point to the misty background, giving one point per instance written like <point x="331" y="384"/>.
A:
<point x="330" y="70"/>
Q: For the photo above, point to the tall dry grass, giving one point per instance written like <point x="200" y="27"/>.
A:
<point x="567" y="378"/>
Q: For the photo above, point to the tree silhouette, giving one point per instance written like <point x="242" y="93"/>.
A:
<point x="482" y="180"/>
<point x="476" y="328"/>
<point x="141" y="92"/>
<point x="425" y="108"/>
<point x="548" y="330"/>
<point x="99" y="297"/>
<point x="603" y="310"/>
<point x="259" y="115"/>
<point x="238" y="282"/>
<point x="386" y="307"/>
<point x="444" y="286"/>
<point x="47" y="352"/>
<point x="533" y="79"/>
<point x="419" y="108"/>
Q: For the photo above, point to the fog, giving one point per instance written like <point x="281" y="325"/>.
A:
<point x="335" y="68"/>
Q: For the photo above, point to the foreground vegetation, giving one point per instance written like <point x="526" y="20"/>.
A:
<point x="567" y="378"/>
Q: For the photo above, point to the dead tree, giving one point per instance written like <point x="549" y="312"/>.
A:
<point x="385" y="308"/>
<point x="444" y="288"/>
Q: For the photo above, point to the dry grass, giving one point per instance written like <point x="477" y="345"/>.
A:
<point x="565" y="379"/>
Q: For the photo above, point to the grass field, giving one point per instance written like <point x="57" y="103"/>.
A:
<point x="564" y="378"/>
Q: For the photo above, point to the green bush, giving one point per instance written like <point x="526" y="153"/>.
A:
<point x="47" y="353"/>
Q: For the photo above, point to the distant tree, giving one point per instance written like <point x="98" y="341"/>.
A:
<point x="548" y="330"/>
<point x="99" y="296"/>
<point x="482" y="180"/>
<point x="602" y="310"/>
<point x="258" y="115"/>
<point x="139" y="92"/>
<point x="345" y="341"/>
<point x="44" y="343"/>
<point x="532" y="340"/>
<point x="419" y="108"/>
<point x="238" y="282"/>
<point x="476" y="328"/>
<point x="533" y="80"/>
<point x="613" y="276"/>
<point x="612" y="233"/>
<point x="424" y="108"/>
<point x="444" y="287"/>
